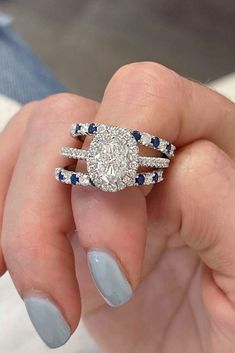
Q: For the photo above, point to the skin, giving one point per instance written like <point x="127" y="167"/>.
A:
<point x="175" y="242"/>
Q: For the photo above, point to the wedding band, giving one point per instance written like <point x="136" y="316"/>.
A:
<point x="83" y="179"/>
<point x="150" y="162"/>
<point x="113" y="158"/>
<point x="143" y="138"/>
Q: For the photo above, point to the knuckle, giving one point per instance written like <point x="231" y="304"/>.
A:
<point x="139" y="68"/>
<point x="55" y="109"/>
<point x="20" y="117"/>
<point x="154" y="74"/>
<point x="151" y="79"/>
<point x="197" y="159"/>
<point x="203" y="156"/>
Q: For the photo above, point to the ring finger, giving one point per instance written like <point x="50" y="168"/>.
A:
<point x="145" y="97"/>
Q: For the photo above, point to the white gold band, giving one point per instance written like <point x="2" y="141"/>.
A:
<point x="143" y="138"/>
<point x="83" y="179"/>
<point x="150" y="162"/>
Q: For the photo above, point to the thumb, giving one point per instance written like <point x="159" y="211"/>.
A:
<point x="113" y="231"/>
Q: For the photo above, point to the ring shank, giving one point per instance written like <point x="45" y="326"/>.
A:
<point x="151" y="162"/>
<point x="77" y="178"/>
<point x="143" y="138"/>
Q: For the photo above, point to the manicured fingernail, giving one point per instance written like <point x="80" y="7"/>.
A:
<point x="108" y="278"/>
<point x="48" y="320"/>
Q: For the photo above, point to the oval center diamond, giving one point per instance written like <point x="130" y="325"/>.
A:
<point x="112" y="161"/>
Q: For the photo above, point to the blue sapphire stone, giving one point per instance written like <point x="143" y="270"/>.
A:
<point x="61" y="176"/>
<point x="74" y="179"/>
<point x="92" y="128"/>
<point x="140" y="179"/>
<point x="168" y="148"/>
<point x="92" y="183"/>
<point x="155" y="142"/>
<point x="78" y="128"/>
<point x="137" y="135"/>
<point x="155" y="178"/>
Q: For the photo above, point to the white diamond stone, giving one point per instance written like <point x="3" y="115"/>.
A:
<point x="112" y="161"/>
<point x="145" y="139"/>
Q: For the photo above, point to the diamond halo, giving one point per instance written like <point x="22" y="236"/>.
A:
<point x="112" y="160"/>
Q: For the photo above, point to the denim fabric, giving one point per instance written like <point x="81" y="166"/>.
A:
<point x="23" y="77"/>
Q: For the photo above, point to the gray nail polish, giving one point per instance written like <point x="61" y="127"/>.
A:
<point x="109" y="279"/>
<point x="47" y="320"/>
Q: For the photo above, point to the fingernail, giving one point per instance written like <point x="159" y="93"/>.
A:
<point x="108" y="278"/>
<point x="48" y="320"/>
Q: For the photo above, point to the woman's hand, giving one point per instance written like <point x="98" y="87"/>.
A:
<point x="175" y="243"/>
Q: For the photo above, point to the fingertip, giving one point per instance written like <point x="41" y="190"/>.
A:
<point x="47" y="319"/>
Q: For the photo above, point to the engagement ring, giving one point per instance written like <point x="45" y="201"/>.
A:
<point x="113" y="158"/>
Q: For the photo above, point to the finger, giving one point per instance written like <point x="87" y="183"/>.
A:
<point x="196" y="207"/>
<point x="145" y="97"/>
<point x="38" y="217"/>
<point x="159" y="101"/>
<point x="112" y="230"/>
<point x="11" y="140"/>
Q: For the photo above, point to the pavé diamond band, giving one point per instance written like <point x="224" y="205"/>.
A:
<point x="143" y="138"/>
<point x="150" y="162"/>
<point x="113" y="158"/>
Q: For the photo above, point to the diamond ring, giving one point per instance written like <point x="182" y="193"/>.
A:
<point x="113" y="158"/>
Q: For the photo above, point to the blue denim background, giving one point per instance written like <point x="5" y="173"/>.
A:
<point x="23" y="76"/>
